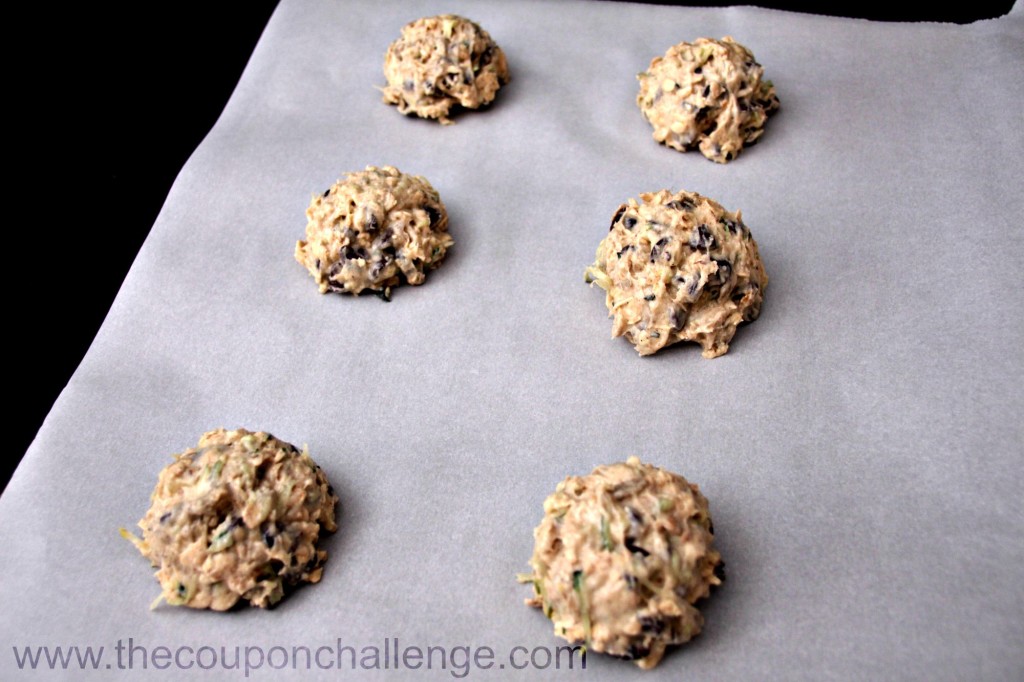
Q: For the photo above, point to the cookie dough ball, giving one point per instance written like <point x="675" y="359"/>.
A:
<point x="707" y="94"/>
<point x="374" y="230"/>
<point x="620" y="558"/>
<point x="440" y="62"/>
<point x="678" y="267"/>
<point x="237" y="517"/>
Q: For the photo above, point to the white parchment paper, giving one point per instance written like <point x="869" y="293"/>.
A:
<point x="861" y="444"/>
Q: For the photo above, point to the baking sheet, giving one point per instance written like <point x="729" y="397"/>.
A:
<point x="860" y="444"/>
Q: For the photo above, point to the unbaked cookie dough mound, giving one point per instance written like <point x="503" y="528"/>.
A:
<point x="374" y="230"/>
<point x="621" y="557"/>
<point x="708" y="94"/>
<point x="440" y="62"/>
<point x="238" y="517"/>
<point x="678" y="267"/>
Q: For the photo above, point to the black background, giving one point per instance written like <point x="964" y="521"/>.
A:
<point x="100" y="134"/>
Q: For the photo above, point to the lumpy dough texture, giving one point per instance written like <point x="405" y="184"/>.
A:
<point x="236" y="518"/>
<point x="373" y="230"/>
<point x="440" y="62"/>
<point x="678" y="267"/>
<point x="620" y="558"/>
<point x="707" y="94"/>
